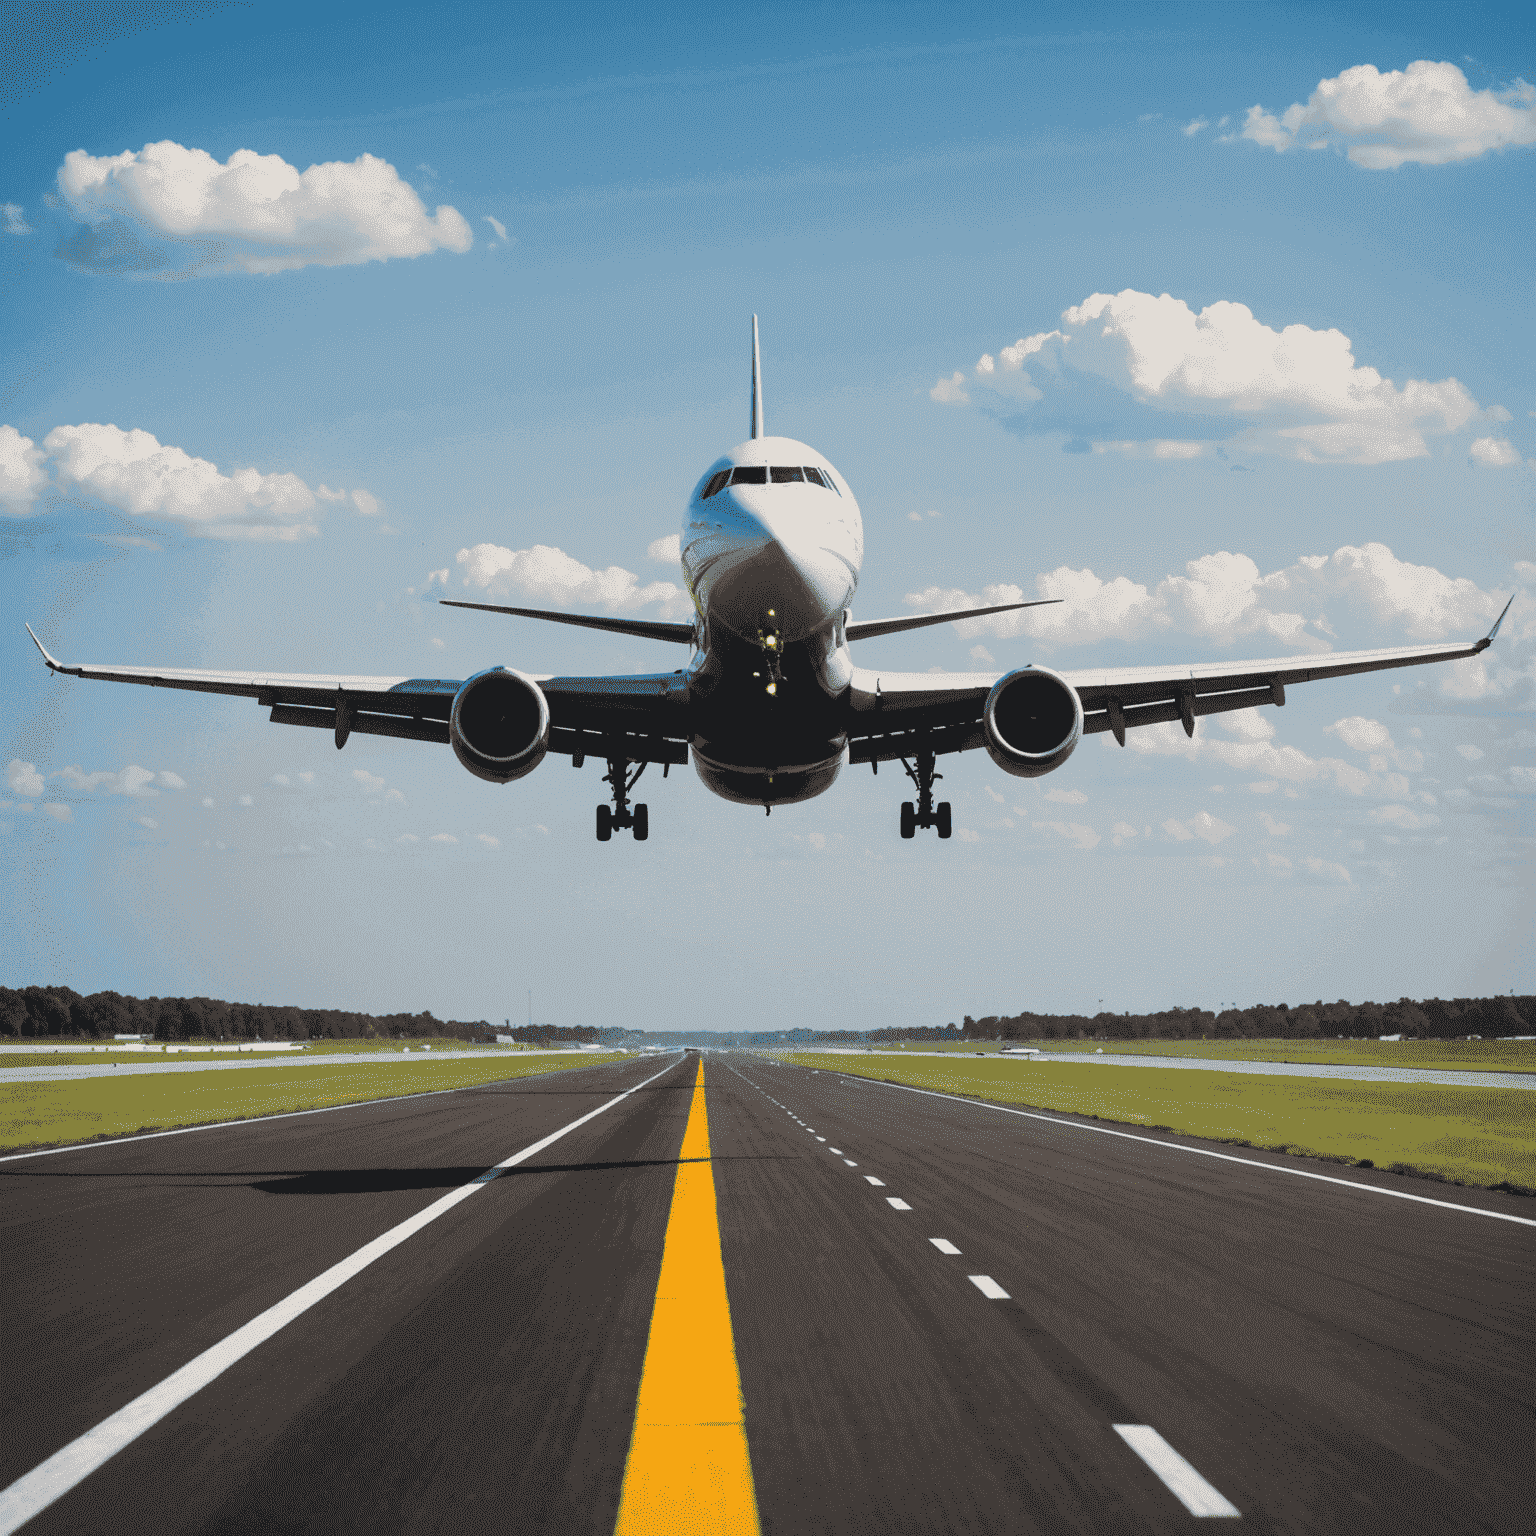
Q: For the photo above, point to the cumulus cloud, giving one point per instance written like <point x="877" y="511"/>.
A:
<point x="1066" y="796"/>
<point x="169" y="210"/>
<point x="367" y="505"/>
<point x="22" y="476"/>
<point x="442" y="837"/>
<point x="1206" y="827"/>
<point x="1080" y="837"/>
<point x="1225" y="598"/>
<point x="1468" y="751"/>
<point x="23" y="779"/>
<point x="1122" y="369"/>
<point x="950" y="391"/>
<point x="134" y="472"/>
<point x="1273" y="827"/>
<point x="498" y="226"/>
<point x="1192" y="128"/>
<point x="546" y="575"/>
<point x="15" y="219"/>
<point x="1122" y="833"/>
<point x="1494" y="453"/>
<point x="1426" y="114"/>
<point x="1403" y="818"/>
<point x="135" y="782"/>
<point x="376" y="788"/>
<point x="667" y="551"/>
<point x="147" y="821"/>
<point x="487" y="839"/>
<point x="59" y="812"/>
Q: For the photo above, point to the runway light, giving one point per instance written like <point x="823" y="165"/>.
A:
<point x="771" y="641"/>
<point x="773" y="688"/>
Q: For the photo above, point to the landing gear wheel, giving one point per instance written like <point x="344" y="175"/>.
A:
<point x="941" y="818"/>
<point x="642" y="827"/>
<point x="604" y="823"/>
<point x="908" y="819"/>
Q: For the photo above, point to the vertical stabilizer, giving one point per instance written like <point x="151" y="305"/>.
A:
<point x="757" y="385"/>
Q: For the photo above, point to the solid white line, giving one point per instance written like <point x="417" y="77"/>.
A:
<point x="287" y="1114"/>
<point x="897" y="1204"/>
<point x="989" y="1287"/>
<point x="1180" y="1479"/>
<point x="943" y="1244"/>
<point x="1225" y="1157"/>
<point x="33" y="1493"/>
<point x="869" y="1178"/>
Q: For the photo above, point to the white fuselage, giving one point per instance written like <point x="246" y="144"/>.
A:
<point x="772" y="568"/>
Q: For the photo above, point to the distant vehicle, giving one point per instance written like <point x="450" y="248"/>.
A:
<point x="770" y="706"/>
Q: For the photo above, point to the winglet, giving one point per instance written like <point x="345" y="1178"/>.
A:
<point x="53" y="666"/>
<point x="757" y="386"/>
<point x="1487" y="640"/>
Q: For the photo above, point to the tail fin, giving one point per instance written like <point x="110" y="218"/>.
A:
<point x="757" y="387"/>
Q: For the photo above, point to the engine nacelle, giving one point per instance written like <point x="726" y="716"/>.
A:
<point x="1033" y="719"/>
<point x="499" y="725"/>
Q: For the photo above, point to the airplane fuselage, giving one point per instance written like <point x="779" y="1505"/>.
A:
<point x="772" y="545"/>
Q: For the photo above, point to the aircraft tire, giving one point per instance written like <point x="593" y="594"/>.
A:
<point x="604" y="824"/>
<point x="642" y="823"/>
<point x="941" y="820"/>
<point x="908" y="819"/>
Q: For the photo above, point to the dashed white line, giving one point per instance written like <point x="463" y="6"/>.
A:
<point x="850" y="1162"/>
<point x="943" y="1244"/>
<point x="897" y="1204"/>
<point x="835" y="1151"/>
<point x="869" y="1178"/>
<point x="1176" y="1474"/>
<point x="988" y="1287"/>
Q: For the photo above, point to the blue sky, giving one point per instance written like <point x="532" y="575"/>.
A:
<point x="922" y="208"/>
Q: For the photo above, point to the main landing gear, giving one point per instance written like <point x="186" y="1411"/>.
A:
<point x="925" y="813"/>
<point x="619" y="815"/>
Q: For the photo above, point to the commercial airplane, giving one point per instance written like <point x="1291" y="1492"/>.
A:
<point x="771" y="704"/>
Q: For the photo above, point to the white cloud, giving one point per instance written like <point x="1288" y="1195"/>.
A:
<point x="281" y="778"/>
<point x="1122" y="833"/>
<point x="1224" y="597"/>
<point x="1471" y="753"/>
<point x="498" y="226"/>
<point x="325" y="493"/>
<point x="136" y="473"/>
<point x="487" y="839"/>
<point x="666" y="551"/>
<point x="147" y="821"/>
<point x="1360" y="734"/>
<point x="207" y="802"/>
<point x="1494" y="452"/>
<point x="23" y="779"/>
<point x="1206" y="827"/>
<point x="376" y="788"/>
<point x="966" y="835"/>
<point x="368" y="505"/>
<point x="914" y="517"/>
<point x="22" y="475"/>
<point x="1067" y="796"/>
<point x="1326" y="871"/>
<point x="1191" y="129"/>
<point x="1081" y="837"/>
<point x="992" y="794"/>
<point x="1296" y="392"/>
<point x="135" y="782"/>
<point x="1426" y="114"/>
<point x="407" y="837"/>
<point x="254" y="213"/>
<point x="547" y="575"/>
<point x="247" y="800"/>
<point x="982" y="656"/>
<point x="15" y="219"/>
<point x="1273" y="827"/>
<point x="1402" y="818"/>
<point x="58" y="812"/>
<point x="442" y="837"/>
<point x="950" y="391"/>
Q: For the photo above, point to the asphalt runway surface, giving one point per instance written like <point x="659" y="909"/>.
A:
<point x="1317" y="1356"/>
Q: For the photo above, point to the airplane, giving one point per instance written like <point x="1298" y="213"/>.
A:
<point x="771" y="705"/>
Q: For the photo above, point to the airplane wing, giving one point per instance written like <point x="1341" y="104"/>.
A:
<point x="898" y="714"/>
<point x="641" y="718"/>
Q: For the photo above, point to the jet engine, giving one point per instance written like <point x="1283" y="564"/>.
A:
<point x="499" y="725"/>
<point x="1032" y="720"/>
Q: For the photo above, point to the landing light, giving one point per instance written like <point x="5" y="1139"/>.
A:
<point x="773" y="689"/>
<point x="771" y="641"/>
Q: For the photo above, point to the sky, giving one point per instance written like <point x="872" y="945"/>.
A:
<point x="1214" y="321"/>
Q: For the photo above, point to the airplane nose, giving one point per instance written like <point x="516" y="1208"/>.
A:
<point x="796" y="572"/>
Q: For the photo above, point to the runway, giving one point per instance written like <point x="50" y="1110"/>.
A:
<point x="1314" y="1356"/>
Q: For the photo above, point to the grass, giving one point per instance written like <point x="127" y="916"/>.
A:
<point x="85" y="1109"/>
<point x="12" y="1056"/>
<point x="1444" y="1055"/>
<point x="1479" y="1136"/>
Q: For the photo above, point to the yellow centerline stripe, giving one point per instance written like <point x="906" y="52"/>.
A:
<point x="688" y="1468"/>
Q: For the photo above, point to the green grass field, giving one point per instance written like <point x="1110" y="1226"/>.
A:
<point x="50" y="1113"/>
<point x="1482" y="1136"/>
<point x="14" y="1056"/>
<point x="1453" y="1055"/>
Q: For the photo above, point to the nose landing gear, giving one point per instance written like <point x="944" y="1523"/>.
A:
<point x="925" y="813"/>
<point x="619" y="815"/>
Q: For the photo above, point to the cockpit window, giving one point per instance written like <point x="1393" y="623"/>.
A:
<point x="814" y="476"/>
<point x="763" y="474"/>
<point x="717" y="483"/>
<point x="784" y="474"/>
<point x="750" y="474"/>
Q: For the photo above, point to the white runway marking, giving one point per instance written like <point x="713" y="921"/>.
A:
<point x="943" y="1244"/>
<point x="1225" y="1157"/>
<point x="871" y="1179"/>
<point x="821" y="1138"/>
<point x="835" y="1151"/>
<point x="33" y="1493"/>
<point x="850" y="1162"/>
<point x="1180" y="1479"/>
<point x="989" y="1287"/>
<point x="897" y="1204"/>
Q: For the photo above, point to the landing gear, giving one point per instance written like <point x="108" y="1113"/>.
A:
<point x="924" y="813"/>
<point x="618" y="815"/>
